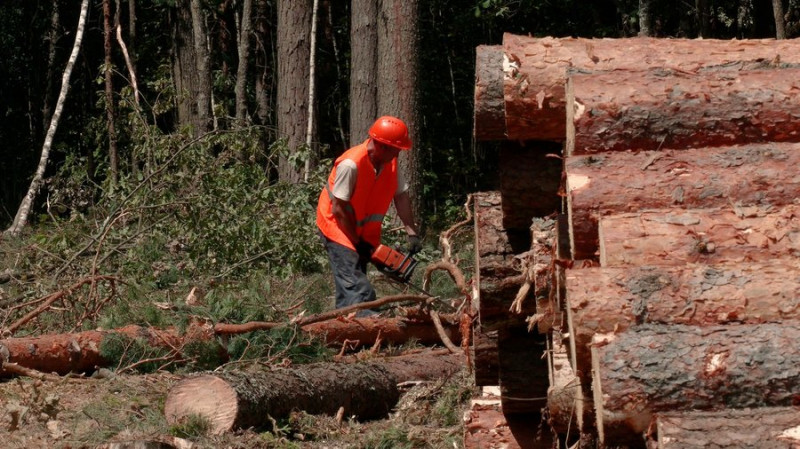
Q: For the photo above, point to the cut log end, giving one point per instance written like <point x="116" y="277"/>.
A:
<point x="207" y="396"/>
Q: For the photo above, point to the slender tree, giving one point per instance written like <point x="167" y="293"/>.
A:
<point x="21" y="217"/>
<point x="111" y="114"/>
<point x="397" y="79"/>
<point x="780" y="25"/>
<point x="644" y="18"/>
<point x="363" y="68"/>
<point x="294" y="49"/>
<point x="245" y="33"/>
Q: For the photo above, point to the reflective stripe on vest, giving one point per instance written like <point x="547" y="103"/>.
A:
<point x="369" y="202"/>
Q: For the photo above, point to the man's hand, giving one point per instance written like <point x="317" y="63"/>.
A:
<point x="414" y="245"/>
<point x="364" y="251"/>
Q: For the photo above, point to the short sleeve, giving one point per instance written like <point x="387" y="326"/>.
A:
<point x="345" y="181"/>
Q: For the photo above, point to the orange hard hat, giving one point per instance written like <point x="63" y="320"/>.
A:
<point x="391" y="131"/>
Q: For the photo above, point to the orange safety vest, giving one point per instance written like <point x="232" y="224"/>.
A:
<point x="370" y="200"/>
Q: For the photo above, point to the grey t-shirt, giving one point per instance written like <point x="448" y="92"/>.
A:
<point x="345" y="181"/>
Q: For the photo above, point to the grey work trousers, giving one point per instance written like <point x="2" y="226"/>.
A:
<point x="349" y="276"/>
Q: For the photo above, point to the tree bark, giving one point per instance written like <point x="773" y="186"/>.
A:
<point x="24" y="211"/>
<point x="677" y="237"/>
<point x="245" y="33"/>
<point x="80" y="352"/>
<point x="780" y="25"/>
<point x="485" y="358"/>
<point x="766" y="428"/>
<point x="745" y="176"/>
<point x="203" y="95"/>
<point x="397" y="81"/>
<point x="489" y="121"/>
<point x="294" y="48"/>
<point x="237" y="399"/>
<point x="111" y="113"/>
<point x="656" y="368"/>
<point x="363" y="68"/>
<point x="602" y="300"/>
<point x="645" y="20"/>
<point x="663" y="108"/>
<point x="535" y="75"/>
<point x="366" y="331"/>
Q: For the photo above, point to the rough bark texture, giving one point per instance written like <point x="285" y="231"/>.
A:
<point x="743" y="176"/>
<point x="664" y="108"/>
<point x="675" y="237"/>
<point x="530" y="177"/>
<point x="80" y="352"/>
<point x="238" y="399"/>
<point x="563" y="390"/>
<point x="542" y="273"/>
<point x="656" y="368"/>
<point x="490" y="110"/>
<point x="535" y="75"/>
<point x="764" y="428"/>
<point x="363" y="68"/>
<point x="485" y="358"/>
<point x="605" y="300"/>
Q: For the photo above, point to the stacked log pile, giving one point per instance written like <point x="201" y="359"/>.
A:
<point x="682" y="291"/>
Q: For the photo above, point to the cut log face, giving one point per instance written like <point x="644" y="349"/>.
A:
<point x="765" y="428"/>
<point x="602" y="300"/>
<point x="535" y="70"/>
<point x="744" y="176"/>
<point x="657" y="368"/>
<point x="672" y="109"/>
<point x="675" y="237"/>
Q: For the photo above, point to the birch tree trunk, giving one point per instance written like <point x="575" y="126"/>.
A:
<point x="21" y="218"/>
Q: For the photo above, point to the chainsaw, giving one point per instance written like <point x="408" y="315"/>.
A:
<point x="396" y="266"/>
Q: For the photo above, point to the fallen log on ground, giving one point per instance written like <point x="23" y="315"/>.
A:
<point x="238" y="399"/>
<point x="602" y="300"/>
<point x="766" y="428"/>
<point x="675" y="237"/>
<point x="535" y="71"/>
<point x="80" y="352"/>
<point x="673" y="109"/>
<point x="745" y="176"/>
<point x="657" y="368"/>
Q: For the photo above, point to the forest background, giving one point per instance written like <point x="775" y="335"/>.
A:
<point x="167" y="169"/>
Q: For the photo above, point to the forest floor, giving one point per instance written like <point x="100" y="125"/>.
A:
<point x="91" y="412"/>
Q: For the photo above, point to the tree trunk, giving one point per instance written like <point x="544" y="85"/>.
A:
<point x="780" y="25"/>
<point x="264" y="63"/>
<point x="645" y="20"/>
<point x="535" y="76"/>
<point x="766" y="427"/>
<point x="485" y="358"/>
<point x="237" y="399"/>
<point x="203" y="96"/>
<point x="111" y="113"/>
<point x="676" y="109"/>
<point x="745" y="176"/>
<point x="656" y="368"/>
<point x="676" y="237"/>
<point x="244" y="62"/>
<point x="24" y="211"/>
<point x="363" y="68"/>
<point x="190" y="68"/>
<point x="602" y="300"/>
<point x="489" y="122"/>
<point x="294" y="48"/>
<point x="397" y="81"/>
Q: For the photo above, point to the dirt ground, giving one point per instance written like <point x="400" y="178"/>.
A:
<point x="92" y="412"/>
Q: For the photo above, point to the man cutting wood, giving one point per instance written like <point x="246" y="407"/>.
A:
<point x="362" y="184"/>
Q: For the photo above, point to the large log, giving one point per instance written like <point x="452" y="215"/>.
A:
<point x="656" y="368"/>
<point x="602" y="300"/>
<point x="535" y="70"/>
<point x="490" y="122"/>
<point x="675" y="237"/>
<point x="239" y="399"/>
<point x="764" y="428"/>
<point x="743" y="176"/>
<point x="366" y="331"/>
<point x="673" y="109"/>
